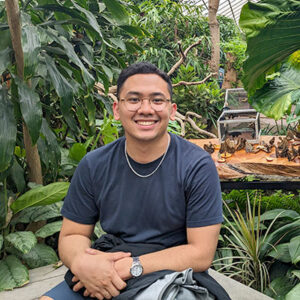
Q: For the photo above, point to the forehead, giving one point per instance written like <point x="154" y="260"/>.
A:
<point x="145" y="84"/>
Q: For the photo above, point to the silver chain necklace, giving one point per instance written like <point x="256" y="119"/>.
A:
<point x="148" y="175"/>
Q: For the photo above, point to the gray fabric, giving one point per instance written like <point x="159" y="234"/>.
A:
<point x="175" y="286"/>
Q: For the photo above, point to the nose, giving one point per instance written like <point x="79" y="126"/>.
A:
<point x="146" y="107"/>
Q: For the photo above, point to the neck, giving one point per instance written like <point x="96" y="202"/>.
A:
<point x="147" y="151"/>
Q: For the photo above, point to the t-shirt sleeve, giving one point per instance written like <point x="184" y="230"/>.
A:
<point x="79" y="204"/>
<point x="204" y="198"/>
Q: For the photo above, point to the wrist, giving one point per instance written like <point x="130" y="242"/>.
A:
<point x="123" y="266"/>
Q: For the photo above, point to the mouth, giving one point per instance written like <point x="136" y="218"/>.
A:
<point x="146" y="123"/>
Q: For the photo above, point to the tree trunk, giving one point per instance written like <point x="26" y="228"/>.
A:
<point x="215" y="35"/>
<point x="32" y="154"/>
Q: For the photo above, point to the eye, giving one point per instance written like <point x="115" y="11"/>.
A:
<point x="133" y="100"/>
<point x="158" y="101"/>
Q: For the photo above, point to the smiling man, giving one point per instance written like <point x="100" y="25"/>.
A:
<point x="157" y="197"/>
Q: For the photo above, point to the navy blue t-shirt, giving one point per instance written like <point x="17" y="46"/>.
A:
<point x="183" y="192"/>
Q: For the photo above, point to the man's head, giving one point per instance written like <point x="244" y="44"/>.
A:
<point x="142" y="68"/>
<point x="144" y="104"/>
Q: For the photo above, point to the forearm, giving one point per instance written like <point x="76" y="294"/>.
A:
<point x="71" y="247"/>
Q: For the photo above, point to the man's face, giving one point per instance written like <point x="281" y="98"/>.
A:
<point x="145" y="124"/>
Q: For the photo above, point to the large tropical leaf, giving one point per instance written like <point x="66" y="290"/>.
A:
<point x="49" y="229"/>
<point x="40" y="255"/>
<point x="294" y="294"/>
<point x="24" y="241"/>
<point x="277" y="96"/>
<point x="282" y="234"/>
<point x="272" y="28"/>
<point x="31" y="46"/>
<point x="8" y="130"/>
<point x="13" y="273"/>
<point x="31" y="109"/>
<point x="4" y="59"/>
<point x="1" y="241"/>
<point x="62" y="87"/>
<point x="44" y="195"/>
<point x="38" y="213"/>
<point x="281" y="252"/>
<point x="294" y="249"/>
<point x="278" y="213"/>
<point x="17" y="175"/>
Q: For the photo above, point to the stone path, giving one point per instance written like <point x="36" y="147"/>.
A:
<point x="44" y="278"/>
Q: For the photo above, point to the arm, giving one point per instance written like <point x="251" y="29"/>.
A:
<point x="96" y="273"/>
<point x="197" y="254"/>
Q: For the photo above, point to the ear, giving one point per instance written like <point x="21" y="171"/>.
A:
<point x="173" y="111"/>
<point x="116" y="110"/>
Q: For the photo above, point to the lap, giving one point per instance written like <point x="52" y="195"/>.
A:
<point x="63" y="292"/>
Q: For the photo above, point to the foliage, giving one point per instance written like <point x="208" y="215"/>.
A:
<point x="271" y="81"/>
<point x="205" y="99"/>
<point x="252" y="242"/>
<point x="42" y="203"/>
<point x="67" y="48"/>
<point x="269" y="200"/>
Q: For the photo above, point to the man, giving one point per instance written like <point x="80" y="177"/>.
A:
<point x="147" y="187"/>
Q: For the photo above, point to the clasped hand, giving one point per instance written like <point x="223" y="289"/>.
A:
<point x="96" y="271"/>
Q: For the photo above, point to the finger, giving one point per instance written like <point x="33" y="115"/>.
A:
<point x="105" y="294"/>
<point x="77" y="286"/>
<point x="118" y="283"/>
<point x="112" y="291"/>
<point x="98" y="296"/>
<point x="119" y="255"/>
<point x="74" y="279"/>
<point x="86" y="293"/>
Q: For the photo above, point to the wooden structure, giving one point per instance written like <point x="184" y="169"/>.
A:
<point x="242" y="164"/>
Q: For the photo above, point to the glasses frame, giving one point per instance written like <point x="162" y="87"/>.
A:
<point x="141" y="101"/>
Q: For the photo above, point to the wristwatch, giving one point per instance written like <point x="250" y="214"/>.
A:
<point x="136" y="269"/>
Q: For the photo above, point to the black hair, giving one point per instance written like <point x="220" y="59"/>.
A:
<point x="142" y="68"/>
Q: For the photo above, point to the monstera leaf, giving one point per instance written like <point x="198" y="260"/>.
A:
<point x="272" y="29"/>
<point x="277" y="96"/>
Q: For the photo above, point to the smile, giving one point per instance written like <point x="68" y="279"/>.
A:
<point x="146" y="123"/>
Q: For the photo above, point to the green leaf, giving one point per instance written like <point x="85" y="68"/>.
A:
<point x="283" y="213"/>
<point x="276" y="97"/>
<point x="62" y="87"/>
<point x="272" y="31"/>
<point x="31" y="109"/>
<point x="280" y="287"/>
<point x="294" y="249"/>
<point x="119" y="43"/>
<point x="13" y="273"/>
<point x="117" y="10"/>
<point x="77" y="152"/>
<point x="90" y="18"/>
<point x="281" y="252"/>
<point x="44" y="195"/>
<point x="49" y="229"/>
<point x="282" y="234"/>
<point x="40" y="255"/>
<point x="38" y="213"/>
<point x="5" y="59"/>
<point x="1" y="241"/>
<point x="133" y="30"/>
<point x="31" y="45"/>
<point x="296" y="273"/>
<point x="17" y="175"/>
<point x="8" y="130"/>
<point x="24" y="241"/>
<point x="294" y="294"/>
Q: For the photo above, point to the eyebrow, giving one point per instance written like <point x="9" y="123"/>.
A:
<point x="139" y="94"/>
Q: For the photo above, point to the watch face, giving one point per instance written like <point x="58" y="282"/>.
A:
<point x="136" y="271"/>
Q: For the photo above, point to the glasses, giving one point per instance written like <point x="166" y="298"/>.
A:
<point x="134" y="103"/>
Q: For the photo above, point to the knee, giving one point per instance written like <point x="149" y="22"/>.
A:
<point x="45" y="298"/>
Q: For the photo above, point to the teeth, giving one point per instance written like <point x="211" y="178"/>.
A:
<point x="145" y="122"/>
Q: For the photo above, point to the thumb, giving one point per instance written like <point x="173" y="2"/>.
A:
<point x="119" y="255"/>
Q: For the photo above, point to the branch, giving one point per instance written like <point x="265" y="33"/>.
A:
<point x="183" y="56"/>
<point x="195" y="127"/>
<point x="182" y="125"/>
<point x="193" y="83"/>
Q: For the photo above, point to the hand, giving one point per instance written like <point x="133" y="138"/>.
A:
<point x="98" y="275"/>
